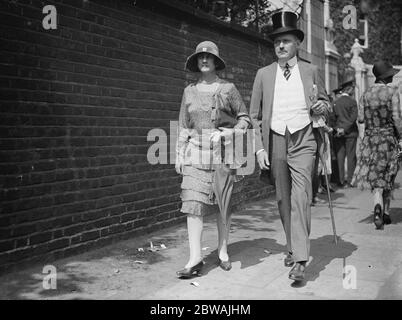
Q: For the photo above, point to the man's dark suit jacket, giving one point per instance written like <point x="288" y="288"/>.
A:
<point x="345" y="115"/>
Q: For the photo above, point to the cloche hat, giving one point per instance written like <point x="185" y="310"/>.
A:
<point x="383" y="69"/>
<point x="209" y="47"/>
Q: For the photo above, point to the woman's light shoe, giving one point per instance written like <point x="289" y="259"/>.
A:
<point x="225" y="265"/>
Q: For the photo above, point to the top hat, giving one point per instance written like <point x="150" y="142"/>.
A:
<point x="208" y="47"/>
<point x="285" y="22"/>
<point x="383" y="69"/>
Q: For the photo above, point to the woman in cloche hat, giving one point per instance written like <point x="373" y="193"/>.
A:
<point x="209" y="107"/>
<point x="380" y="147"/>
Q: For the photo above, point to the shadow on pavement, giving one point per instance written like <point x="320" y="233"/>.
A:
<point x="251" y="217"/>
<point x="27" y="285"/>
<point x="396" y="215"/>
<point x="248" y="252"/>
<point x="77" y="272"/>
<point x="367" y="220"/>
<point x="324" y="250"/>
<point x="334" y="196"/>
<point x="252" y="222"/>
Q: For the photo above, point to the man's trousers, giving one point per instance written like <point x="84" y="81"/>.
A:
<point x="346" y="147"/>
<point x="292" y="163"/>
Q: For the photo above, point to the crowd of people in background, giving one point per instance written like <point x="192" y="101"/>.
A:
<point x="372" y="124"/>
<point x="341" y="140"/>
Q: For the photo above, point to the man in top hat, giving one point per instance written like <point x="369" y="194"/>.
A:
<point x="346" y="131"/>
<point x="287" y="96"/>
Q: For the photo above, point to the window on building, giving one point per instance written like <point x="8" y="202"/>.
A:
<point x="363" y="32"/>
<point x="401" y="42"/>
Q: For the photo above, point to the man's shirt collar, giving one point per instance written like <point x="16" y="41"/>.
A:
<point x="292" y="62"/>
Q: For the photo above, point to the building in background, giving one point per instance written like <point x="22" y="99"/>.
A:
<point x="378" y="30"/>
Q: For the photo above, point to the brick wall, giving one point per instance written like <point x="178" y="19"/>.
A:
<point x="77" y="104"/>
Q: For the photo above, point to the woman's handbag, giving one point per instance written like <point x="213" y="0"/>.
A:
<point x="221" y="115"/>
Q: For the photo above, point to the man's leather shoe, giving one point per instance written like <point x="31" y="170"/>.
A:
<point x="289" y="260"/>
<point x="297" y="273"/>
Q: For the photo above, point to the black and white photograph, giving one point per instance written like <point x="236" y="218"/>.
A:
<point x="212" y="152"/>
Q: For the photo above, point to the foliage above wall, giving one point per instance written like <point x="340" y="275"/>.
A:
<point x="253" y="14"/>
<point x="384" y="28"/>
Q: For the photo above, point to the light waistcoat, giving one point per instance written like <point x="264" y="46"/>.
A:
<point x="289" y="105"/>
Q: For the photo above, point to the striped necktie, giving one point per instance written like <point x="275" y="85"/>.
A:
<point x="286" y="73"/>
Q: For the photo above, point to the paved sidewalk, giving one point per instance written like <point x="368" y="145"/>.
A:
<point x="257" y="248"/>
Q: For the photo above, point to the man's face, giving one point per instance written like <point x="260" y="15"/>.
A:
<point x="286" y="46"/>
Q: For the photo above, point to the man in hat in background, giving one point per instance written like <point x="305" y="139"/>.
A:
<point x="346" y="131"/>
<point x="287" y="96"/>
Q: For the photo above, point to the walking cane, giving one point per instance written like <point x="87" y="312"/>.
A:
<point x="329" y="194"/>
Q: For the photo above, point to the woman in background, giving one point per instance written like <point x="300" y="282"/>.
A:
<point x="380" y="147"/>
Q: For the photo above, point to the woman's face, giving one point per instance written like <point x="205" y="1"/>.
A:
<point x="206" y="62"/>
